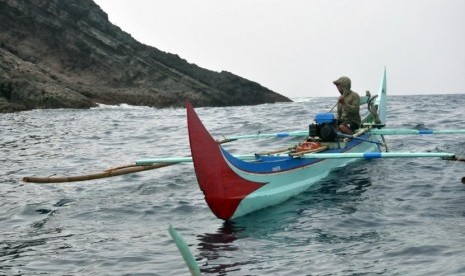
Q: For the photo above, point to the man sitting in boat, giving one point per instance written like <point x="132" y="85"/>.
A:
<point x="348" y="107"/>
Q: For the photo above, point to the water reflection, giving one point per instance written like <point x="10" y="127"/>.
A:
<point x="212" y="246"/>
<point x="221" y="239"/>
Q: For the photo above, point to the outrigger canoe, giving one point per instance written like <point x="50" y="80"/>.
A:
<point x="237" y="185"/>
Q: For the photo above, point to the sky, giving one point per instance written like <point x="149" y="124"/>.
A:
<point x="298" y="47"/>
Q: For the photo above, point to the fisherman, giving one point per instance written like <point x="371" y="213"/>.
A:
<point x="348" y="106"/>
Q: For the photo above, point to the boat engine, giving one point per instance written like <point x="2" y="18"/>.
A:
<point x="324" y="127"/>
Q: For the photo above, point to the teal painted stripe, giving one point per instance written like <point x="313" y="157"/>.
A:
<point x="151" y="161"/>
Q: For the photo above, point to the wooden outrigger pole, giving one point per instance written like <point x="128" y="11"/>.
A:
<point x="127" y="169"/>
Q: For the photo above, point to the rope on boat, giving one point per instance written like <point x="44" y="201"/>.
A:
<point x="384" y="143"/>
<point x="299" y="154"/>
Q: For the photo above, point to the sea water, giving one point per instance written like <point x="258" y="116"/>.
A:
<point x="376" y="217"/>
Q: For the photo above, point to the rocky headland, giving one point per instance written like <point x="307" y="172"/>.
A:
<point x="67" y="54"/>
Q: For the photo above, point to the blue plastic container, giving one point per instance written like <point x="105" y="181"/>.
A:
<point x="322" y="118"/>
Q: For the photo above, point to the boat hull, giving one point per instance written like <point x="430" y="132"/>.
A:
<point x="283" y="185"/>
<point x="235" y="187"/>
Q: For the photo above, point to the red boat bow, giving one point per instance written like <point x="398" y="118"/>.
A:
<point x="222" y="187"/>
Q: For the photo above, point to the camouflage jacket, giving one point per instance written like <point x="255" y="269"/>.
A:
<point x="349" y="112"/>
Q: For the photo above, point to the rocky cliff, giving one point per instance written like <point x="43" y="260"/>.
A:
<point x="66" y="54"/>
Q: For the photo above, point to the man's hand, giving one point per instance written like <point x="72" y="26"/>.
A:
<point x="341" y="100"/>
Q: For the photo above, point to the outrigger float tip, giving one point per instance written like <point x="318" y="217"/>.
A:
<point x="185" y="252"/>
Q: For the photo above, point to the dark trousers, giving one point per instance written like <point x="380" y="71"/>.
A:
<point x="353" y="126"/>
